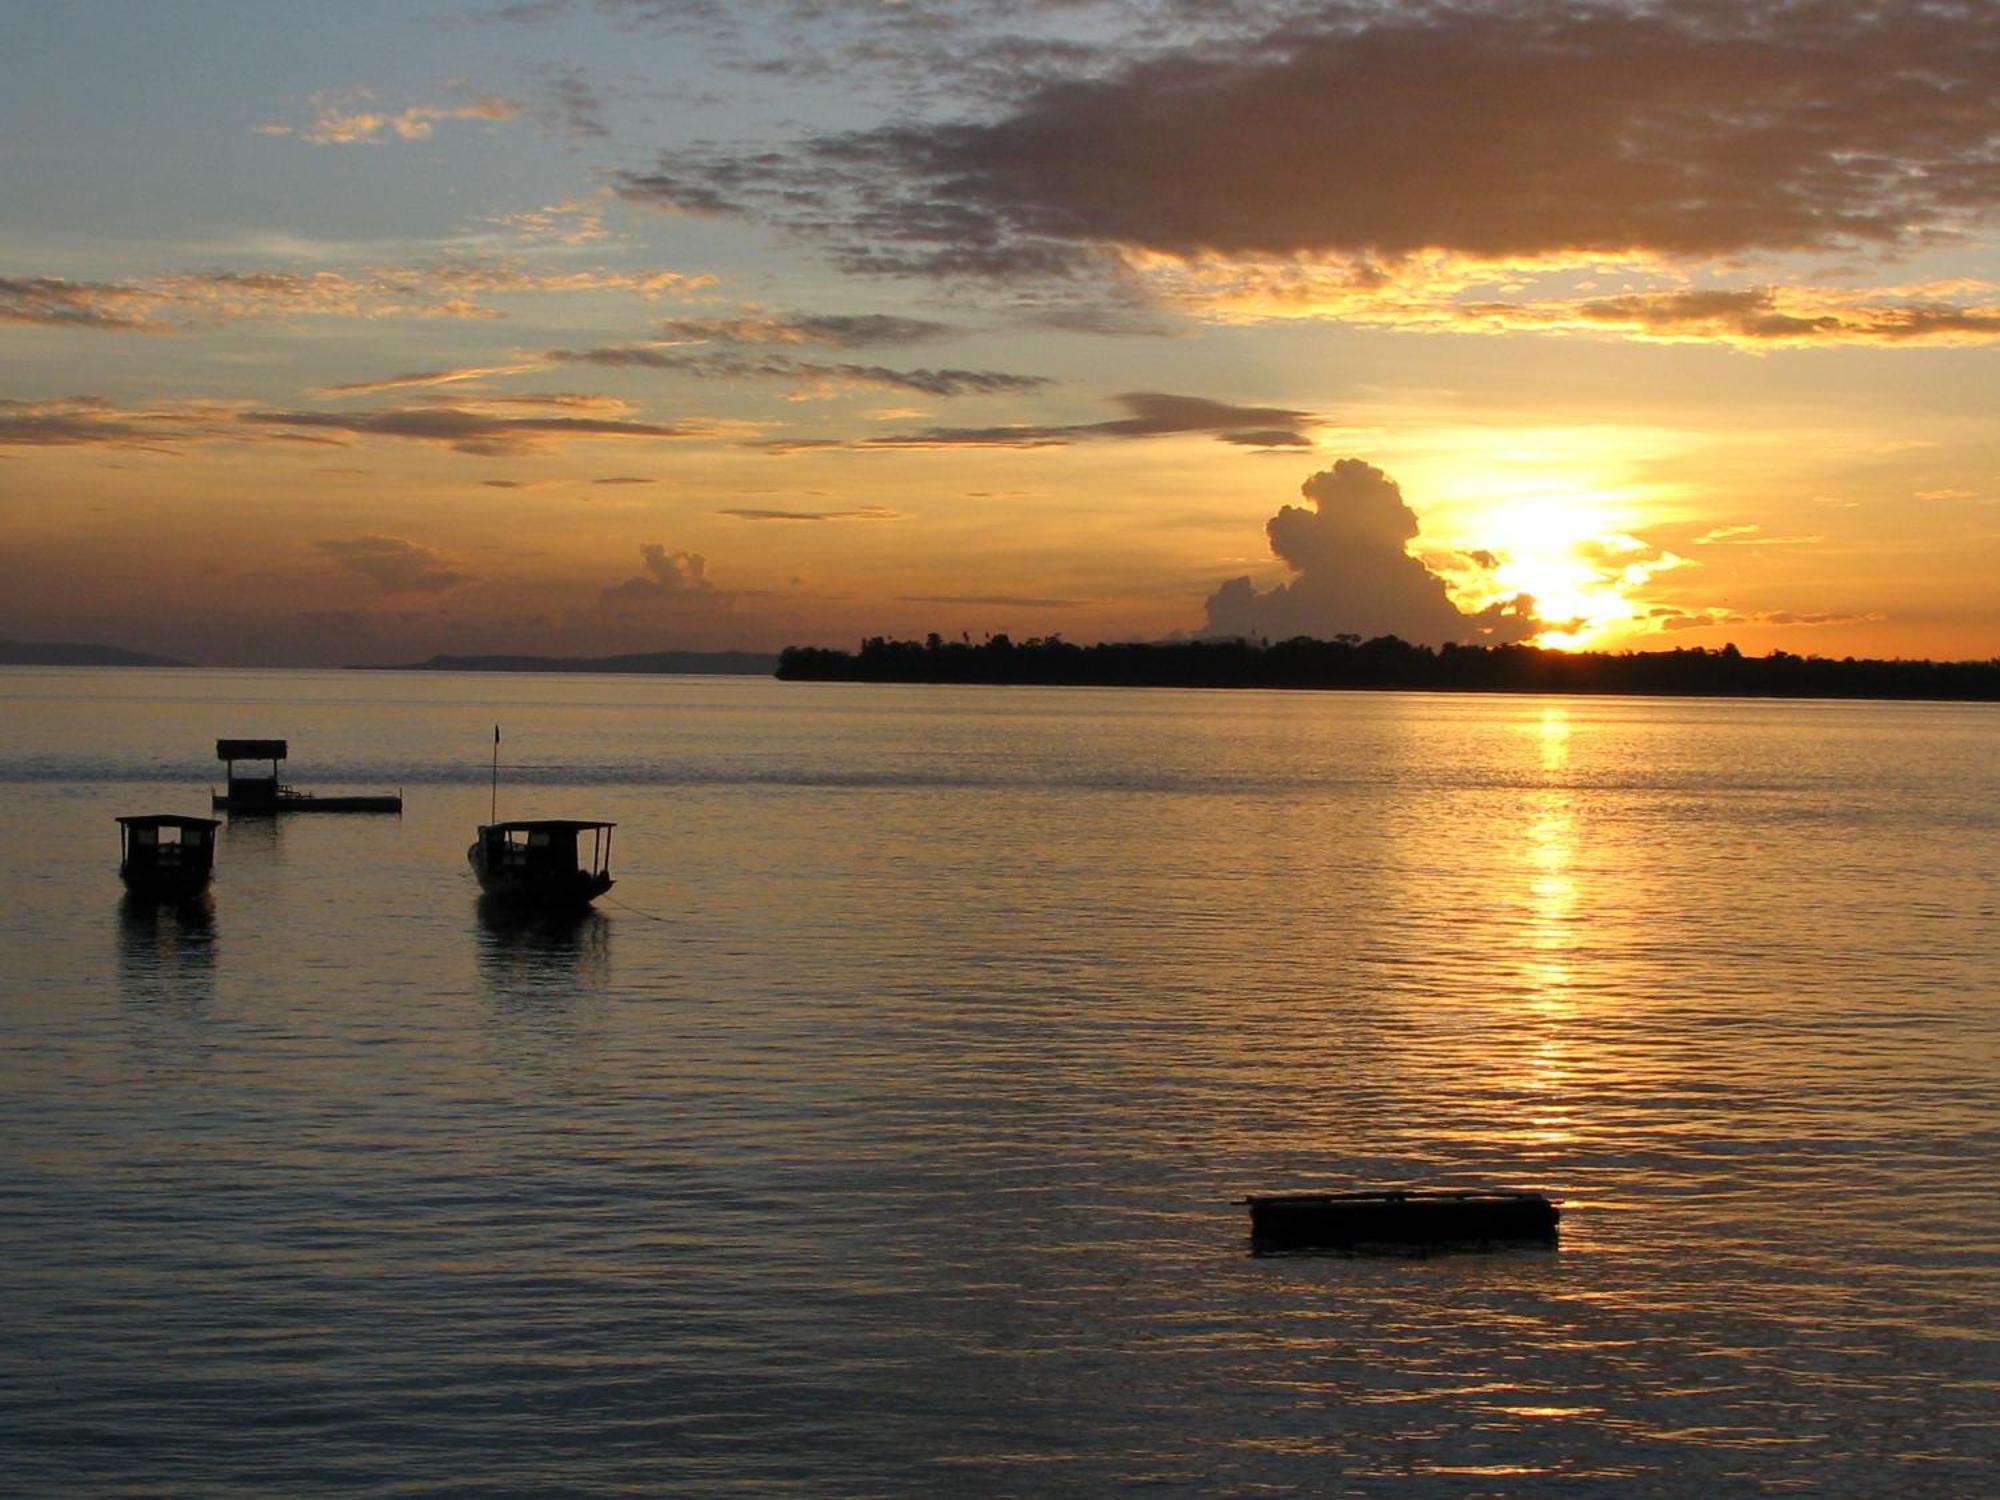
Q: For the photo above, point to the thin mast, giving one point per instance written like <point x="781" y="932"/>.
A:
<point x="493" y="809"/>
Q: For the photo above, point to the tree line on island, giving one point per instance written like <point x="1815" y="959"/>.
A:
<point x="1387" y="662"/>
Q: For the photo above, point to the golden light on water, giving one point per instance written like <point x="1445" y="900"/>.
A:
<point x="1549" y="853"/>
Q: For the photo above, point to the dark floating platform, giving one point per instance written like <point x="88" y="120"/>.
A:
<point x="255" y="793"/>
<point x="1401" y="1221"/>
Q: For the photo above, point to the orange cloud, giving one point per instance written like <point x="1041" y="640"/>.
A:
<point x="343" y="118"/>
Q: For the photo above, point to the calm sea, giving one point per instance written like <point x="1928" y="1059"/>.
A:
<point x="879" y="1134"/>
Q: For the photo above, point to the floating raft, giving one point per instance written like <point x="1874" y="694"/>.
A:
<point x="1395" y="1219"/>
<point x="252" y="792"/>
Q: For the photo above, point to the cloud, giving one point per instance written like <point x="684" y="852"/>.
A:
<point x="1415" y="166"/>
<point x="472" y="431"/>
<point x="393" y="565"/>
<point x="673" y="579"/>
<point x="346" y="117"/>
<point x="1354" y="575"/>
<point x="804" y="375"/>
<point x="1751" y="318"/>
<point x="180" y="301"/>
<point x="1504" y="128"/>
<point x="419" y="378"/>
<point x="574" y="221"/>
<point x="1668" y="618"/>
<point x="92" y="421"/>
<point x="567" y="103"/>
<point x="1153" y="414"/>
<point x="833" y="330"/>
<point x="58" y="303"/>
<point x="864" y="513"/>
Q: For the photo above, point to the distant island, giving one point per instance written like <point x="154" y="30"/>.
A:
<point x="715" y="663"/>
<point x="1390" y="663"/>
<point x="76" y="654"/>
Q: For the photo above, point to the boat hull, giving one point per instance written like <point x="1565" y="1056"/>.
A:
<point x="535" y="890"/>
<point x="164" y="885"/>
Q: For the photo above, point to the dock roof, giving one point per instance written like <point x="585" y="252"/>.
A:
<point x="250" y="749"/>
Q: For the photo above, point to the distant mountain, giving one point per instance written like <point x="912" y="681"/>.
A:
<point x="76" y="654"/>
<point x="713" y="663"/>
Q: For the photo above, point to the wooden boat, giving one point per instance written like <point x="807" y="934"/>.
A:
<point x="250" y="792"/>
<point x="538" y="863"/>
<point x="1400" y="1219"/>
<point x="166" y="856"/>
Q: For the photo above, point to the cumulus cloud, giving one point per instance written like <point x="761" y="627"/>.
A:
<point x="1153" y="414"/>
<point x="805" y="376"/>
<point x="672" y="579"/>
<point x="393" y="565"/>
<point x="1354" y="574"/>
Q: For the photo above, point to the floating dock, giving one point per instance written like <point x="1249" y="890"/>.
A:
<point x="254" y="793"/>
<point x="1400" y="1219"/>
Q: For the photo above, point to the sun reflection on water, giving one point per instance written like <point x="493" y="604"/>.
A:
<point x="1549" y="961"/>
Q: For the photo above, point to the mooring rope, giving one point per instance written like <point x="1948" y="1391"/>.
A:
<point x="636" y="911"/>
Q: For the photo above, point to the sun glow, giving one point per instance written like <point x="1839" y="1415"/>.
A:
<point x="1562" y="542"/>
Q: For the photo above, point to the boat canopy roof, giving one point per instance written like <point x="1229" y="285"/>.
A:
<point x="250" y="749"/>
<point x="543" y="825"/>
<point x="167" y="820"/>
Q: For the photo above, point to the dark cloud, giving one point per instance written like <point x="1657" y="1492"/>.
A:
<point x="1354" y="575"/>
<point x="1506" y="128"/>
<point x="1153" y="414"/>
<point x="469" y="431"/>
<point x="806" y="374"/>
<point x="833" y="330"/>
<point x="393" y="565"/>
<point x="92" y="421"/>
<point x="677" y="194"/>
<point x="865" y="513"/>
<point x="624" y="479"/>
<point x="566" y="102"/>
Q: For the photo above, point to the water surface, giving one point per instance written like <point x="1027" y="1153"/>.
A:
<point x="879" y="1135"/>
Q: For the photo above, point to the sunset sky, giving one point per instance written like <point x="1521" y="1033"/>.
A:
<point x="350" y="333"/>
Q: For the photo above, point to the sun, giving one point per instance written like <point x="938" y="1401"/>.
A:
<point x="1585" y="577"/>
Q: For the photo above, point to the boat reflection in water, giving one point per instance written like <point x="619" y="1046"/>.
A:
<point x="166" y="953"/>
<point x="536" y="964"/>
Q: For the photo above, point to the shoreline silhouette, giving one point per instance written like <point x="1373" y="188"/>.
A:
<point x="1389" y="663"/>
